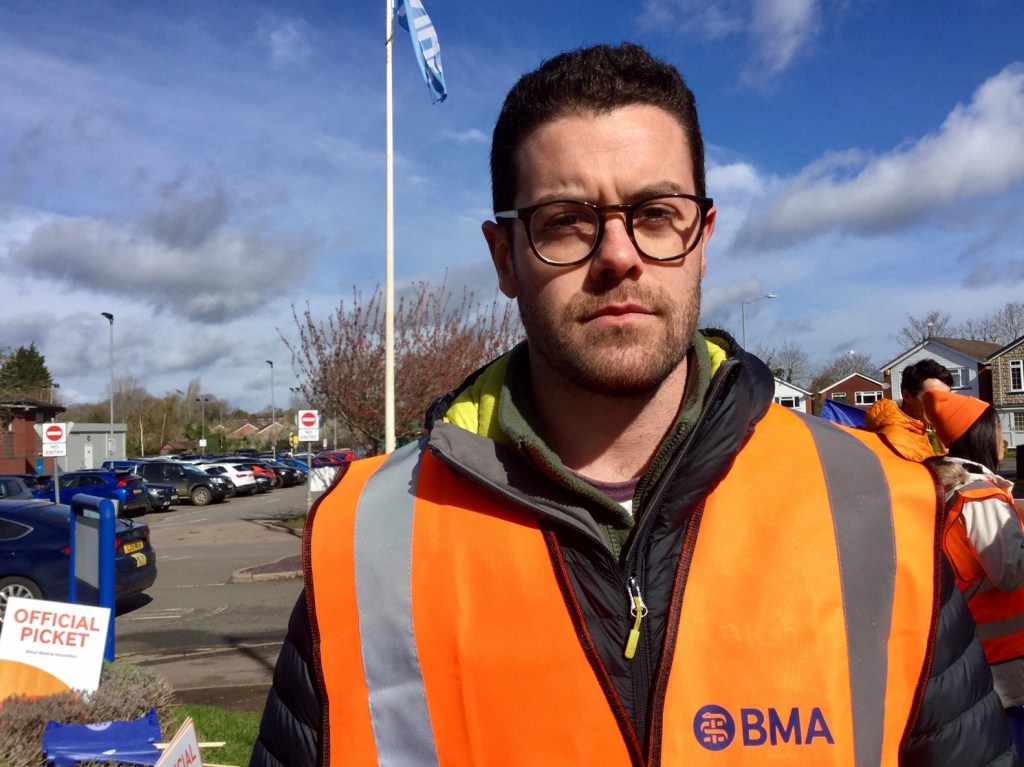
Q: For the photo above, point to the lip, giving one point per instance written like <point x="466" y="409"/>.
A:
<point x="614" y="311"/>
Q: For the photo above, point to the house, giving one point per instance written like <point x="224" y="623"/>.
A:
<point x="20" y="445"/>
<point x="792" y="397"/>
<point x="856" y="389"/>
<point x="965" y="360"/>
<point x="1006" y="377"/>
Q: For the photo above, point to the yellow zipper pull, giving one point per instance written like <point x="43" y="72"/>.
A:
<point x="638" y="610"/>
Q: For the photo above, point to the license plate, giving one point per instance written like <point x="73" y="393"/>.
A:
<point x="133" y="546"/>
<point x="137" y="491"/>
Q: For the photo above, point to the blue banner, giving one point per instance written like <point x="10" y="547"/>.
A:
<point x="414" y="20"/>
<point x="846" y="415"/>
<point x="123" y="742"/>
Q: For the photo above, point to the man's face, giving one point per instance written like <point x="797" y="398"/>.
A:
<point x="617" y="323"/>
<point x="913" y="406"/>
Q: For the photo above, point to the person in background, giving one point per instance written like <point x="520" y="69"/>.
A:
<point x="611" y="547"/>
<point x="984" y="537"/>
<point x="903" y="426"/>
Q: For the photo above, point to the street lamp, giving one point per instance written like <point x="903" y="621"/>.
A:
<point x="110" y="439"/>
<point x="202" y="417"/>
<point x="273" y="436"/>
<point x="743" y="312"/>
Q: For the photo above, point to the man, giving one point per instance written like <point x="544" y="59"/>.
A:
<point x="611" y="548"/>
<point x="903" y="426"/>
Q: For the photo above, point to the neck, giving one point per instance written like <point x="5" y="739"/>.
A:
<point x="606" y="437"/>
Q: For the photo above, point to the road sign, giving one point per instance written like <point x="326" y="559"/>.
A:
<point x="309" y="425"/>
<point x="55" y="439"/>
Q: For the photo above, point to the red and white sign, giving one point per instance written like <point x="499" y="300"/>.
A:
<point x="55" y="440"/>
<point x="309" y="425"/>
<point x="183" y="750"/>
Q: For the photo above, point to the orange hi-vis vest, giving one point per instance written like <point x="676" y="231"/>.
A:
<point x="998" y="614"/>
<point x="443" y="629"/>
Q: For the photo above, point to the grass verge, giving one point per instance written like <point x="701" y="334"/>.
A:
<point x="237" y="728"/>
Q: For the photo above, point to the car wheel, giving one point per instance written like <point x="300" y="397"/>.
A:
<point x="278" y="482"/>
<point x="16" y="586"/>
<point x="201" y="496"/>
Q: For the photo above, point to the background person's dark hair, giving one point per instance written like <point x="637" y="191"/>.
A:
<point x="978" y="443"/>
<point x="598" y="79"/>
<point x="914" y="376"/>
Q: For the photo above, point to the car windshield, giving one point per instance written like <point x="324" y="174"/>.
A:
<point x="190" y="469"/>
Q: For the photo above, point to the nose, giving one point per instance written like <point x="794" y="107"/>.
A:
<point x="616" y="257"/>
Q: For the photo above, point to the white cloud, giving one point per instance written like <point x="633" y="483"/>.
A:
<point x="735" y="178"/>
<point x="712" y="21"/>
<point x="224" y="275"/>
<point x="288" y="42"/>
<point x="777" y="30"/>
<point x="978" y="151"/>
<point x="469" y="136"/>
<point x="782" y="28"/>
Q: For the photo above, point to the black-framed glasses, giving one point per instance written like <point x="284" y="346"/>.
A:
<point x="568" y="232"/>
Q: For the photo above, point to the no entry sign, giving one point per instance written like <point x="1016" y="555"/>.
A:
<point x="309" y="425"/>
<point x="55" y="440"/>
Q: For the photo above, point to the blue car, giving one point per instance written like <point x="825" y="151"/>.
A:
<point x="35" y="547"/>
<point x="119" y="485"/>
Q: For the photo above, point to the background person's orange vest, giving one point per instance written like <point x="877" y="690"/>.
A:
<point x="442" y="634"/>
<point x="993" y="610"/>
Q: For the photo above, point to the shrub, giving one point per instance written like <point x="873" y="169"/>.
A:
<point x="125" y="692"/>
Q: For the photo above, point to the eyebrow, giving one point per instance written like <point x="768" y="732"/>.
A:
<point x="644" y="192"/>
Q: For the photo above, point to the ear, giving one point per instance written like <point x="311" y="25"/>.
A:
<point x="709" y="229"/>
<point x="501" y="254"/>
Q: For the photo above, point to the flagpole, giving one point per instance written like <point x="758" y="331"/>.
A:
<point x="389" y="267"/>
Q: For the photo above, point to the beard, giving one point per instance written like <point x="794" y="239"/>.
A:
<point x="613" y="360"/>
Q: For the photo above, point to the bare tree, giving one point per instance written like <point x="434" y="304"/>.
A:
<point x="1001" y="327"/>
<point x="918" y="329"/>
<point x="788" y="362"/>
<point x="842" y="366"/>
<point x="437" y="343"/>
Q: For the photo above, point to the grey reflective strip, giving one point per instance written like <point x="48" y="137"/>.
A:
<point x="862" y="513"/>
<point x="383" y="562"/>
<point x="997" y="629"/>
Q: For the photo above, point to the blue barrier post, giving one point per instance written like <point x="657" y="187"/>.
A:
<point x="108" y="517"/>
<point x="100" y="514"/>
<point x="72" y="559"/>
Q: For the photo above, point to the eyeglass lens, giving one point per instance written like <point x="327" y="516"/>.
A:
<point x="662" y="228"/>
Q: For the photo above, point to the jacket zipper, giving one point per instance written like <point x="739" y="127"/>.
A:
<point x="638" y="610"/>
<point x="636" y="642"/>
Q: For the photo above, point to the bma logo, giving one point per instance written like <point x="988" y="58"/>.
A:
<point x="715" y="728"/>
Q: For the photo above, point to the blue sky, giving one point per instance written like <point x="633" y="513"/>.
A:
<point x="198" y="167"/>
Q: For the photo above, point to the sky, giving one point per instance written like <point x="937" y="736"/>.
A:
<point x="199" y="168"/>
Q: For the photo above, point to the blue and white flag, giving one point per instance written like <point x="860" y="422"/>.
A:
<point x="417" y="23"/>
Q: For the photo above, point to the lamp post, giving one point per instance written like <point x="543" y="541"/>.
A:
<point x="743" y="312"/>
<point x="110" y="438"/>
<point x="202" y="418"/>
<point x="273" y="415"/>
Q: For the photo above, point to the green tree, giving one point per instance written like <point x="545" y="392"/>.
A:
<point x="24" y="373"/>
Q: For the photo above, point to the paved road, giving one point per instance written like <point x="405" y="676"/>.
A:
<point x="213" y="637"/>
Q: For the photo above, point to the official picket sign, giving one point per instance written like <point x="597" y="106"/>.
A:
<point x="64" y="640"/>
